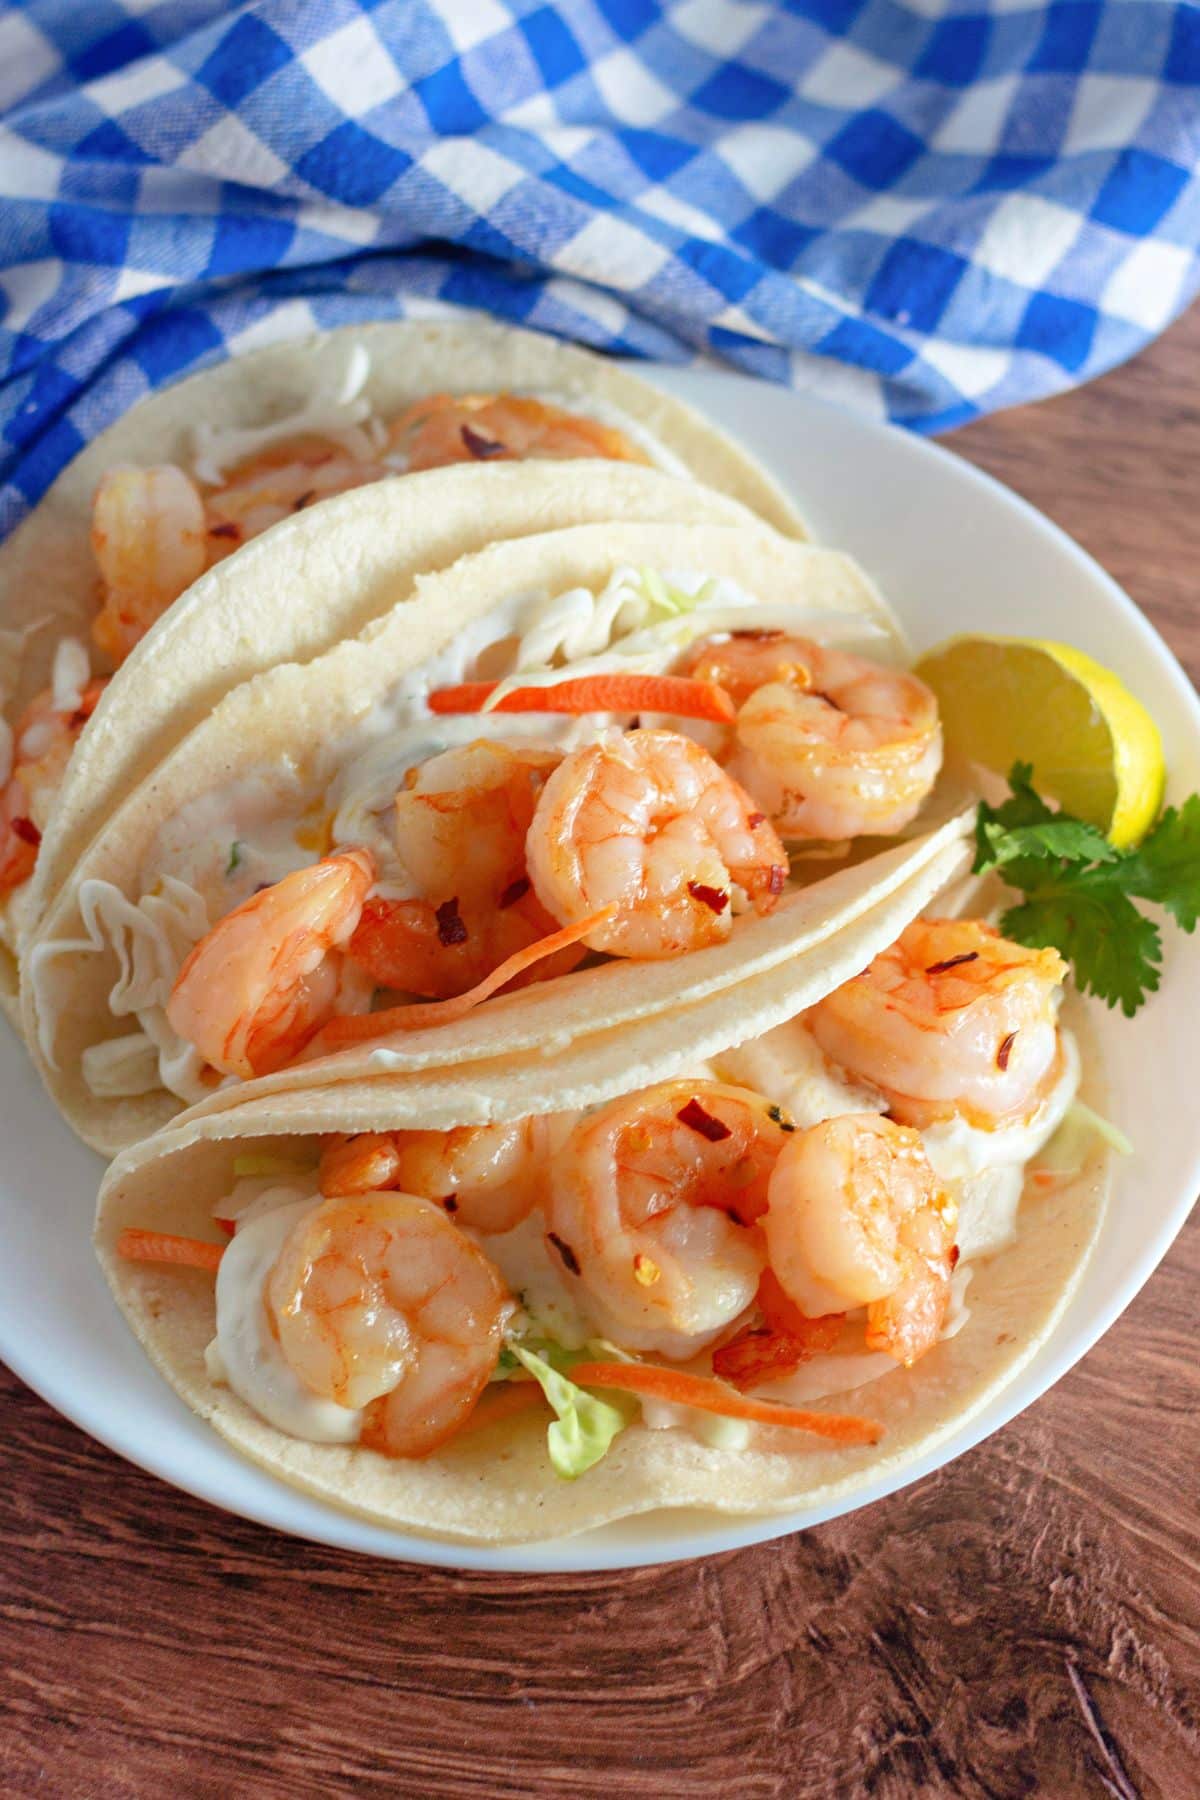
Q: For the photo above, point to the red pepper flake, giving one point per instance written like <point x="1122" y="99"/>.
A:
<point x="816" y="694"/>
<point x="570" y="1260"/>
<point x="695" y="1118"/>
<point x="954" y="1254"/>
<point x="1005" y="1050"/>
<point x="228" y="1226"/>
<point x="27" y="831"/>
<point x="229" y="528"/>
<point x="450" y="1202"/>
<point x="755" y="820"/>
<point x="777" y="878"/>
<point x="714" y="897"/>
<point x="79" y="719"/>
<point x="762" y="636"/>
<point x="450" y="926"/>
<point x="482" y="448"/>
<point x="516" y="890"/>
<point x="308" y="495"/>
<point x="952" y="962"/>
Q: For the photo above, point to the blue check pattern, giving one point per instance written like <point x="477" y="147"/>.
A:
<point x="928" y="209"/>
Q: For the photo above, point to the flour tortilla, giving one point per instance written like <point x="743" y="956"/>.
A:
<point x="300" y="587"/>
<point x="496" y="1485"/>
<point x="293" y="711"/>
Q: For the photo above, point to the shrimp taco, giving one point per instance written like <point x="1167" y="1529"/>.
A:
<point x="596" y="743"/>
<point x="194" y="473"/>
<point x="709" y="1259"/>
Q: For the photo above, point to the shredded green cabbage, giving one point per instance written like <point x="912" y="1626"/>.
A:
<point x="262" y="1162"/>
<point x="718" y="1432"/>
<point x="673" y="601"/>
<point x="585" y="1427"/>
<point x="1067" y="1150"/>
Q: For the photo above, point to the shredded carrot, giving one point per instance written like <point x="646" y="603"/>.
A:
<point x="713" y="1396"/>
<point x="506" y="1400"/>
<point x="160" y="1246"/>
<point x="678" y="694"/>
<point x="357" y="1028"/>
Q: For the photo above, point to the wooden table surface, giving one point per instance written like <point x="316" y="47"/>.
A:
<point x="1027" y="1621"/>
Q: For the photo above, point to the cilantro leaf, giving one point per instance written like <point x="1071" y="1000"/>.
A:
<point x="1114" y="949"/>
<point x="1025" y="826"/>
<point x="1166" y="866"/>
<point x="235" y="857"/>
<point x="1079" y="890"/>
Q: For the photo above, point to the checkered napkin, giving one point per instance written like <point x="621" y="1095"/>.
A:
<point x="929" y="209"/>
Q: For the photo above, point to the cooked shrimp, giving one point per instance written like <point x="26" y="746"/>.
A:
<point x="855" y="1217"/>
<point x="833" y="746"/>
<point x="649" y="821"/>
<point x="149" y="540"/>
<point x="277" y="483"/>
<point x="153" y="533"/>
<point x="486" y="1176"/>
<point x="462" y="817"/>
<point x="651" y="1203"/>
<point x="379" y="1302"/>
<point x="460" y="828"/>
<point x="42" y="746"/>
<point x="269" y="974"/>
<point x="438" y="952"/>
<point x="952" y="1020"/>
<point x="452" y="428"/>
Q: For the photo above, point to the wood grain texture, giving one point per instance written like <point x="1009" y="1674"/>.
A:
<point x="1027" y="1621"/>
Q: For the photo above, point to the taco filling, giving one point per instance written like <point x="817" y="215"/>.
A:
<point x="155" y="530"/>
<point x="718" y="1254"/>
<point x="605" y="772"/>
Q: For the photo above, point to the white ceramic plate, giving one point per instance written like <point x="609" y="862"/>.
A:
<point x="953" y="551"/>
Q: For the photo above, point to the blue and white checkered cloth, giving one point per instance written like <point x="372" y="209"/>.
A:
<point x="929" y="208"/>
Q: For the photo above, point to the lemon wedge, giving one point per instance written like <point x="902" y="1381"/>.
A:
<point x="1093" y="746"/>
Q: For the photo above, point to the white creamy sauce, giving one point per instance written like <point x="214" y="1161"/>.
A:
<point x="248" y="1355"/>
<point x="957" y="1149"/>
<point x="258" y="814"/>
<point x="789" y="1067"/>
<point x="535" y="1279"/>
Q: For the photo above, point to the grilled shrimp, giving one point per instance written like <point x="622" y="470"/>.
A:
<point x="154" y="533"/>
<point x="486" y="1176"/>
<point x="277" y="483"/>
<point x="649" y="821"/>
<point x="450" y="428"/>
<point x="150" y="542"/>
<point x="833" y="746"/>
<point x="651" y="1204"/>
<point x="42" y="746"/>
<point x="460" y="827"/>
<point x="855" y="1217"/>
<point x="378" y="1302"/>
<point x="263" y="981"/>
<point x="952" y="1020"/>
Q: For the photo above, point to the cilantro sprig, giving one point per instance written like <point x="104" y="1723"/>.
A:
<point x="1080" y="891"/>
